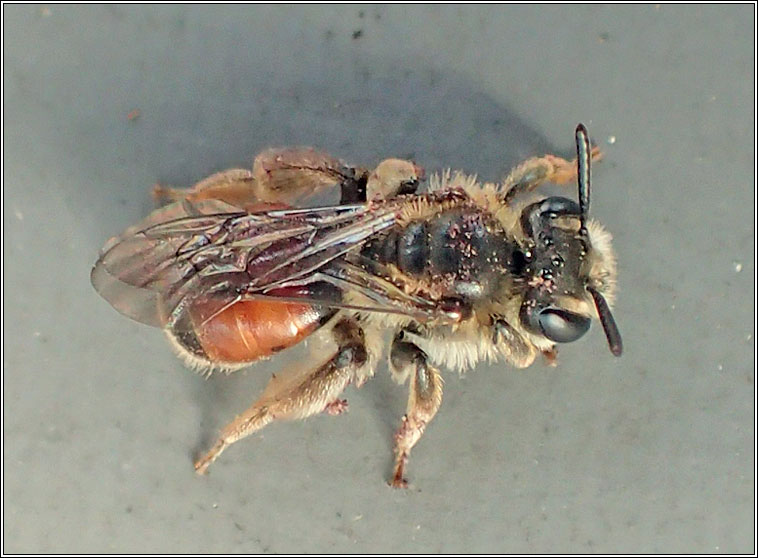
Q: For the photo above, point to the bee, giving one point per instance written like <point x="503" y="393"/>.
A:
<point x="234" y="273"/>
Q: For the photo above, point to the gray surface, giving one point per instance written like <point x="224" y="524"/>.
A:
<point x="649" y="453"/>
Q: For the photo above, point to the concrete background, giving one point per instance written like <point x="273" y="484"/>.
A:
<point x="653" y="452"/>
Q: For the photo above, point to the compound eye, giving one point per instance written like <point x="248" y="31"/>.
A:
<point x="562" y="326"/>
<point x="537" y="215"/>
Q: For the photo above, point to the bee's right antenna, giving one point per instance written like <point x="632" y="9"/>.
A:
<point x="609" y="324"/>
<point x="583" y="157"/>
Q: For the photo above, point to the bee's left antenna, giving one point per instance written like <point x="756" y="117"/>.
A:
<point x="583" y="157"/>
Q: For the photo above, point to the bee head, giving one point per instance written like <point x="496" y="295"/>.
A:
<point x="570" y="268"/>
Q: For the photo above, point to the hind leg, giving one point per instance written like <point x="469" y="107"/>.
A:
<point x="279" y="176"/>
<point x="233" y="186"/>
<point x="303" y="395"/>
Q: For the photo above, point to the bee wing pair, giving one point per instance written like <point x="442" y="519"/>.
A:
<point x="214" y="251"/>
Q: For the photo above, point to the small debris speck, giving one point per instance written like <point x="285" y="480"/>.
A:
<point x="18" y="214"/>
<point x="45" y="12"/>
<point x="611" y="140"/>
<point x="133" y="115"/>
<point x="737" y="266"/>
<point x="358" y="34"/>
<point x="720" y="367"/>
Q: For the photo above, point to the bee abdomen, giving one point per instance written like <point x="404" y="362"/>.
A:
<point x="255" y="329"/>
<point x="245" y="332"/>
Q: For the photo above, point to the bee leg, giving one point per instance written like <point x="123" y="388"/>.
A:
<point x="536" y="171"/>
<point x="353" y="190"/>
<point x="302" y="396"/>
<point x="511" y="344"/>
<point x="232" y="186"/>
<point x="393" y="177"/>
<point x="336" y="407"/>
<point x="285" y="175"/>
<point x="278" y="176"/>
<point x="424" y="399"/>
<point x="551" y="357"/>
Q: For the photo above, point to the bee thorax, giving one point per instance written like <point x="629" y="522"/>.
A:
<point x="460" y="252"/>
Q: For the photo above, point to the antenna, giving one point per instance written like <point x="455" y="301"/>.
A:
<point x="583" y="157"/>
<point x="609" y="324"/>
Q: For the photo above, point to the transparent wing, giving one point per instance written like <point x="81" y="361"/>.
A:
<point x="212" y="250"/>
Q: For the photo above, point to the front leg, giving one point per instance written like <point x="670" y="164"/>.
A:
<point x="510" y="343"/>
<point x="424" y="399"/>
<point x="538" y="170"/>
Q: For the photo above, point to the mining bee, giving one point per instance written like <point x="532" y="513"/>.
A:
<point x="463" y="272"/>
